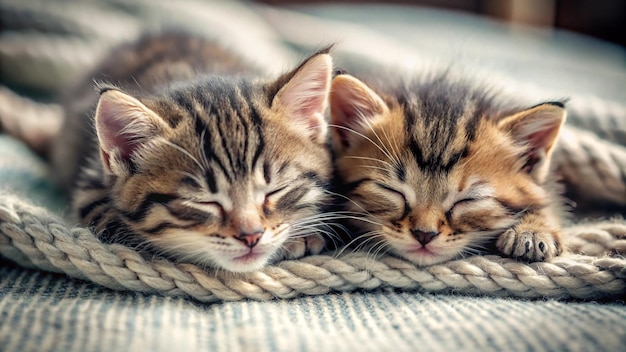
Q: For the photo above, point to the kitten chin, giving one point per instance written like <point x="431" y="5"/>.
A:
<point x="217" y="252"/>
<point x="197" y="158"/>
<point x="439" y="168"/>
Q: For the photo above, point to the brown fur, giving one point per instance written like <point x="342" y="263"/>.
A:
<point x="199" y="159"/>
<point x="413" y="163"/>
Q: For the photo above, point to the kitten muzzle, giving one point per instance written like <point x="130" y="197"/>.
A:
<point x="424" y="237"/>
<point x="250" y="239"/>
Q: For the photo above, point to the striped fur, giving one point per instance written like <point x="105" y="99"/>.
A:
<point x="202" y="166"/>
<point x="434" y="168"/>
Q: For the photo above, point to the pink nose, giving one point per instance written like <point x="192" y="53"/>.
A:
<point x="250" y="239"/>
<point x="424" y="237"/>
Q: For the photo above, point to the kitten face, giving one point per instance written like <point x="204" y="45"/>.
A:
<point x="431" y="182"/>
<point x="221" y="173"/>
<point x="226" y="218"/>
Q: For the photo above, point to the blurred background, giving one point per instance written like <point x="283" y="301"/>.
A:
<point x="563" y="46"/>
<point x="604" y="19"/>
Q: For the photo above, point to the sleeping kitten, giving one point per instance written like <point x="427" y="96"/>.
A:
<point x="190" y="161"/>
<point x="437" y="170"/>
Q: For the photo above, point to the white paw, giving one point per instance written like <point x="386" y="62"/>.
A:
<point x="302" y="246"/>
<point x="526" y="244"/>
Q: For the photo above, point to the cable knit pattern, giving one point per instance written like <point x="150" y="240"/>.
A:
<point x="33" y="238"/>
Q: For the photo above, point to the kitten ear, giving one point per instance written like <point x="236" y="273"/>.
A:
<point x="353" y="105"/>
<point x="304" y="97"/>
<point x="537" y="128"/>
<point x="123" y="123"/>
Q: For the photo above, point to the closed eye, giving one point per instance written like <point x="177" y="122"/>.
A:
<point x="406" y="209"/>
<point x="478" y="191"/>
<point x="274" y="192"/>
<point x="268" y="200"/>
<point x="216" y="204"/>
<point x="464" y="201"/>
<point x="271" y="194"/>
<point x="194" y="210"/>
<point x="209" y="206"/>
<point x="190" y="181"/>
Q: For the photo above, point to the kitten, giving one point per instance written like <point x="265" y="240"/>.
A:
<point x="192" y="155"/>
<point x="437" y="169"/>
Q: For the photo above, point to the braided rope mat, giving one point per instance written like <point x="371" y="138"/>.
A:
<point x="32" y="237"/>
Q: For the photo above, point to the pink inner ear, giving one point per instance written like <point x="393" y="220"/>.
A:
<point x="347" y="111"/>
<point x="537" y="128"/>
<point x="345" y="114"/>
<point x="541" y="140"/>
<point x="311" y="109"/>
<point x="540" y="143"/>
<point x="113" y="137"/>
<point x="353" y="105"/>
<point x="304" y="98"/>
<point x="119" y="126"/>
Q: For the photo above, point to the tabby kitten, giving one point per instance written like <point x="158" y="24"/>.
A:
<point x="198" y="164"/>
<point x="437" y="169"/>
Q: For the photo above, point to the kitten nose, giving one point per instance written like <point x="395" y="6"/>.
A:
<point x="250" y="239"/>
<point x="423" y="237"/>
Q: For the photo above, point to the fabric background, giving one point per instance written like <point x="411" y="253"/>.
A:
<point x="46" y="45"/>
<point x="48" y="312"/>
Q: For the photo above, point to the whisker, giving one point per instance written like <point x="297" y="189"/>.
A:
<point x="373" y="167"/>
<point x="379" y="247"/>
<point x="304" y="232"/>
<point x="394" y="147"/>
<point x="375" y="250"/>
<point x="382" y="144"/>
<point x="365" y="137"/>
<point x="369" y="159"/>
<point x="203" y="155"/>
<point x="180" y="149"/>
<point x="349" y="200"/>
<point x="369" y="236"/>
<point x="349" y="244"/>
<point x="371" y="242"/>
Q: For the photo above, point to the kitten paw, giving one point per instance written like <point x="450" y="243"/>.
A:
<point x="531" y="244"/>
<point x="303" y="246"/>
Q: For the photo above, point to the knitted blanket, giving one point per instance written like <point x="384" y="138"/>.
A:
<point x="591" y="157"/>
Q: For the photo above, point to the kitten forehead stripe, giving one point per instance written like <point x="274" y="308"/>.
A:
<point x="238" y="160"/>
<point x="210" y="179"/>
<point x="221" y="135"/>
<point x="444" y="113"/>
<point x="239" y="112"/>
<point x="256" y="122"/>
<point x="211" y="112"/>
<point x="260" y="145"/>
<point x="209" y="175"/>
